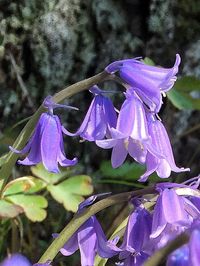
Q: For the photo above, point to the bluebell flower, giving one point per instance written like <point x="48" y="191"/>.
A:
<point x="148" y="81"/>
<point x="173" y="212"/>
<point x="100" y="117"/>
<point x="160" y="157"/>
<point x="89" y="239"/>
<point x="138" y="231"/>
<point x="188" y="254"/>
<point x="46" y="143"/>
<point x="16" y="259"/>
<point x="136" y="237"/>
<point x="131" y="133"/>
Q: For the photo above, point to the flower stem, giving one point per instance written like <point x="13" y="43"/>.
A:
<point x="162" y="253"/>
<point x="82" y="217"/>
<point x="23" y="137"/>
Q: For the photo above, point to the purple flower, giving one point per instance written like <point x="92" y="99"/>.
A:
<point x="90" y="240"/>
<point x="16" y="259"/>
<point x="137" y="231"/>
<point x="131" y="133"/>
<point x="189" y="254"/>
<point x="147" y="81"/>
<point x="179" y="257"/>
<point x="136" y="238"/>
<point x="100" y="117"/>
<point x="160" y="157"/>
<point x="46" y="144"/>
<point x="173" y="212"/>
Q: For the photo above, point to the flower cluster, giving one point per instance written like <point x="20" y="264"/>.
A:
<point x="136" y="129"/>
<point x="176" y="210"/>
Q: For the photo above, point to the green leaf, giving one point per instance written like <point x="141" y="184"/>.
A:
<point x="9" y="210"/>
<point x="183" y="100"/>
<point x="48" y="177"/>
<point x="70" y="192"/>
<point x="187" y="84"/>
<point x="148" y="61"/>
<point x="129" y="171"/>
<point x="33" y="206"/>
<point x="25" y="184"/>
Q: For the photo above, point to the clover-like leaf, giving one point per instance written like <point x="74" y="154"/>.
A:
<point x="70" y="192"/>
<point x="48" y="177"/>
<point x="25" y="184"/>
<point x="33" y="205"/>
<point x="9" y="210"/>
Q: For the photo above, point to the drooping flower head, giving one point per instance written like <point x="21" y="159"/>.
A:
<point x="131" y="132"/>
<point x="160" y="156"/>
<point x="46" y="143"/>
<point x="147" y="81"/>
<point x="100" y="117"/>
<point x="89" y="239"/>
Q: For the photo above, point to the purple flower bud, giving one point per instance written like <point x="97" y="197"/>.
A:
<point x="16" y="259"/>
<point x="46" y="144"/>
<point x="147" y="81"/>
<point x="100" y="117"/>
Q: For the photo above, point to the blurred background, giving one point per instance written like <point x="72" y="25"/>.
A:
<point x="50" y="44"/>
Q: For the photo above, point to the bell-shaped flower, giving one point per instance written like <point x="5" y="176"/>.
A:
<point x="130" y="134"/>
<point x="148" y="81"/>
<point x="16" y="259"/>
<point x="46" y="143"/>
<point x="100" y="117"/>
<point x="136" y="238"/>
<point x="188" y="254"/>
<point x="138" y="231"/>
<point x="179" y="257"/>
<point x="173" y="212"/>
<point x="89" y="239"/>
<point x="160" y="157"/>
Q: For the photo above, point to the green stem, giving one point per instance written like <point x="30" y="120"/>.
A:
<point x="23" y="137"/>
<point x="80" y="218"/>
<point x="162" y="253"/>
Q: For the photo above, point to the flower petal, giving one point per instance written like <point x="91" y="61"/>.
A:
<point x="119" y="154"/>
<point x="50" y="144"/>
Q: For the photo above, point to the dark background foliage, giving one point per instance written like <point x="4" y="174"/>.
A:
<point x="47" y="45"/>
